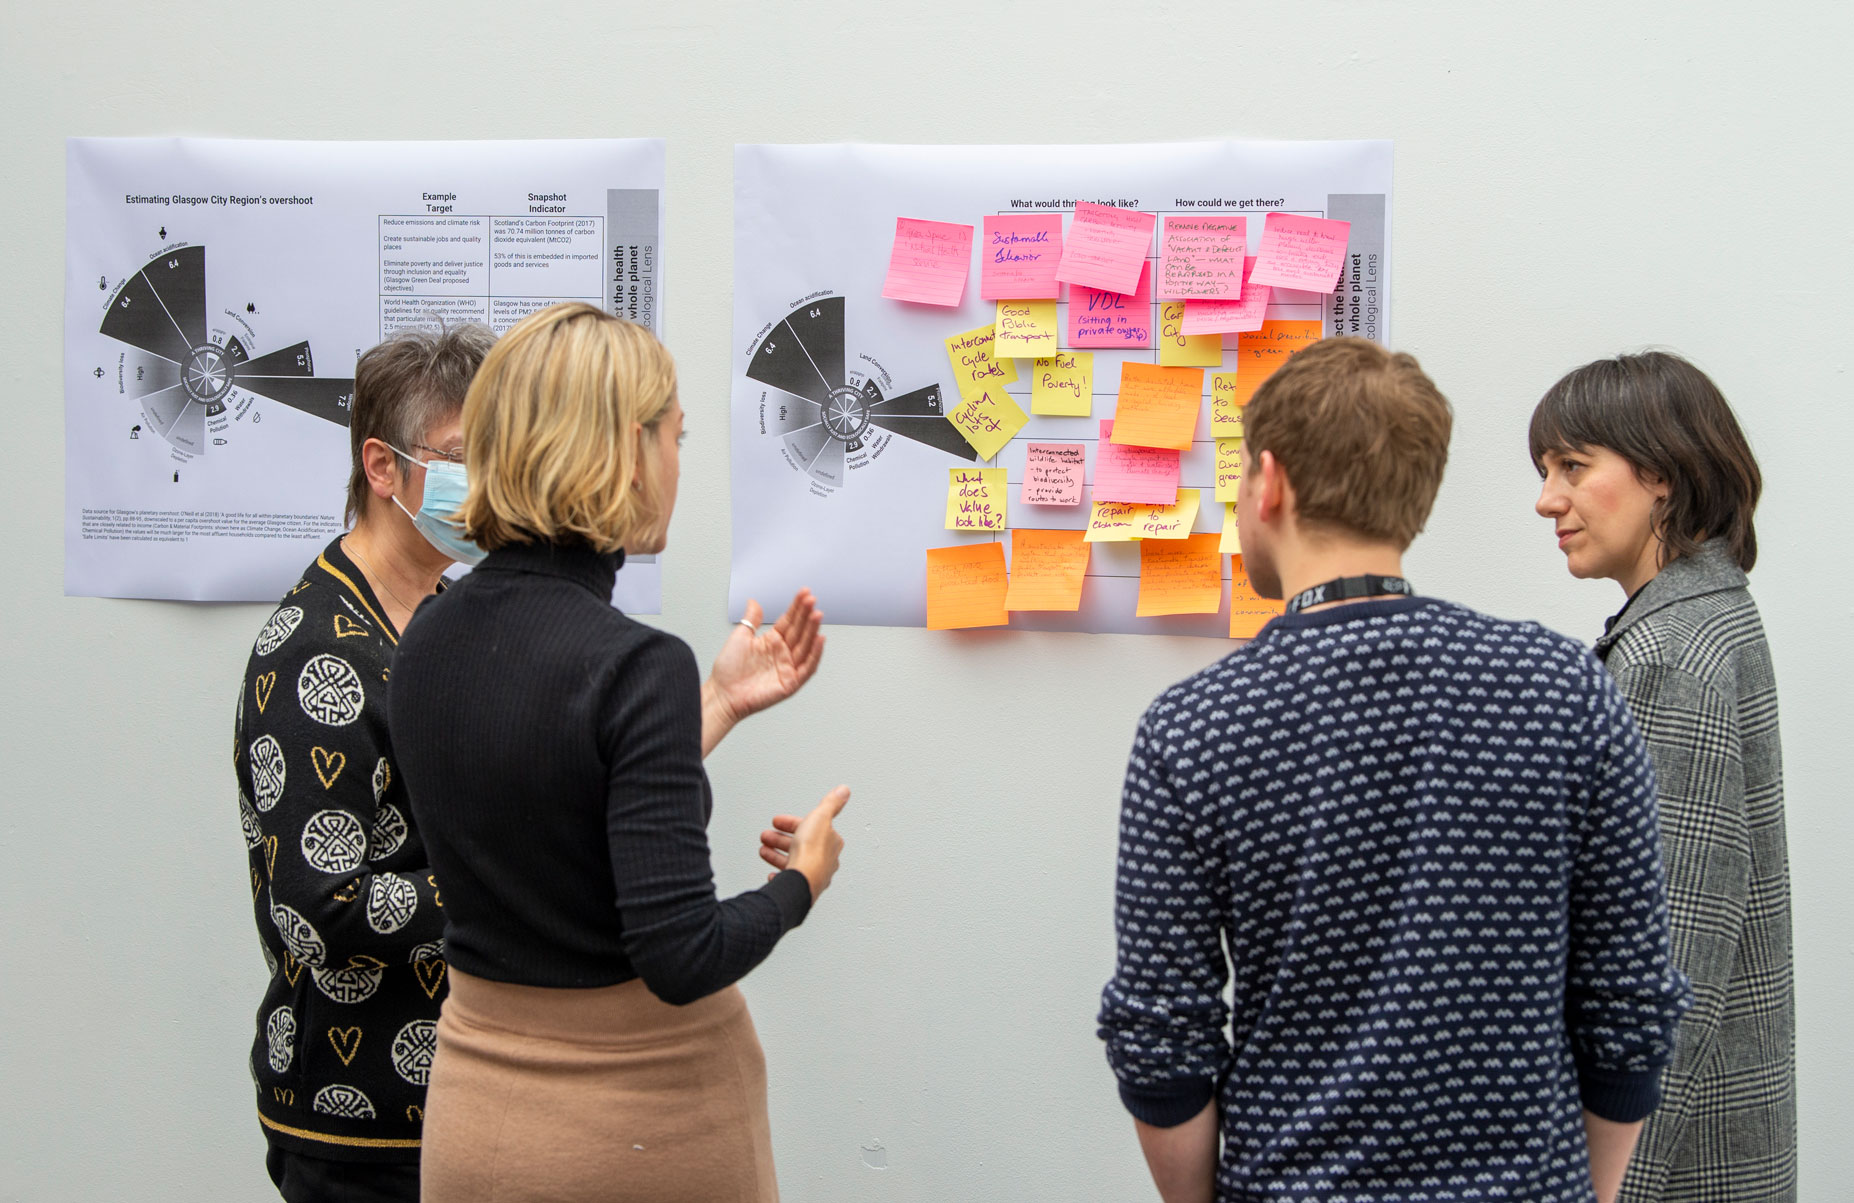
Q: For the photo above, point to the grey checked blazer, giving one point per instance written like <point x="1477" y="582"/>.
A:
<point x="1689" y="655"/>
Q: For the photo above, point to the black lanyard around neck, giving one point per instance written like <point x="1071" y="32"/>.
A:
<point x="1350" y="588"/>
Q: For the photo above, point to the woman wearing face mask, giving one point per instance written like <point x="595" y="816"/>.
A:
<point x="1649" y="482"/>
<point x="594" y="1045"/>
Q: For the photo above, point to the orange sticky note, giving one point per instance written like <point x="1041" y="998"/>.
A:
<point x="1249" y="610"/>
<point x="1225" y="413"/>
<point x="1158" y="405"/>
<point x="1047" y="568"/>
<point x="1260" y="352"/>
<point x="1180" y="576"/>
<point x="1180" y="350"/>
<point x="929" y="262"/>
<point x="965" y="587"/>
<point x="988" y="419"/>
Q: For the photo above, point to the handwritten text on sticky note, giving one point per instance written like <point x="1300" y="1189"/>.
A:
<point x="1018" y="256"/>
<point x="1170" y="521"/>
<point x="1054" y="473"/>
<point x="1301" y="252"/>
<point x="929" y="262"/>
<point x="1200" y="258"/>
<point x="1178" y="349"/>
<point x="1249" y="610"/>
<point x="1123" y="472"/>
<point x="1232" y="542"/>
<point x="1107" y="319"/>
<point x="1229" y="468"/>
<point x="1225" y="413"/>
<point x="975" y="499"/>
<point x="1229" y="317"/>
<point x="965" y="586"/>
<point x="1105" y="247"/>
<point x="988" y="420"/>
<point x="974" y="366"/>
<point x="1158" y="405"/>
<point x="1025" y="329"/>
<point x="1183" y="576"/>
<point x="1047" y="570"/>
<point x="1063" y="385"/>
<point x="1260" y="353"/>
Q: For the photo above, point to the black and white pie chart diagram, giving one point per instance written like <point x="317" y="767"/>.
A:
<point x="183" y="377"/>
<point x="834" y="416"/>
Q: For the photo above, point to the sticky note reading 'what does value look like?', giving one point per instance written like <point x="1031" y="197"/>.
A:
<point x="1018" y="257"/>
<point x="988" y="420"/>
<point x="1106" y="247"/>
<point x="1301" y="252"/>
<point x="1229" y="317"/>
<point x="1158" y="405"/>
<point x="975" y="368"/>
<point x="1180" y="350"/>
<point x="1184" y="576"/>
<point x="965" y="587"/>
<point x="929" y="262"/>
<point x="1047" y="570"/>
<point x="1201" y="258"/>
<point x="1025" y="330"/>
<point x="1143" y="475"/>
<point x="1229" y="468"/>
<point x="1260" y="353"/>
<point x="1054" y="473"/>
<point x="975" y="498"/>
<point x="1249" y="610"/>
<point x="1062" y="386"/>
<point x="1225" y="413"/>
<point x="1107" y="319"/>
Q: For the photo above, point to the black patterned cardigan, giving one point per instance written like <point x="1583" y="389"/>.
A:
<point x="347" y="912"/>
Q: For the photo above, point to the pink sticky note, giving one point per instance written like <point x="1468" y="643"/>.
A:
<point x="1301" y="252"/>
<point x="1106" y="247"/>
<point x="929" y="262"/>
<point x="1200" y="257"/>
<point x="1147" y="475"/>
<point x="1229" y="317"/>
<point x="1107" y="319"/>
<point x="1053" y="473"/>
<point x="1018" y="257"/>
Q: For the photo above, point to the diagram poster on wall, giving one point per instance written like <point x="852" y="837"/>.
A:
<point x="218" y="293"/>
<point x="934" y="345"/>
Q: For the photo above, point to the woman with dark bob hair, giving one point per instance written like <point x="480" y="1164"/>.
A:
<point x="1649" y="481"/>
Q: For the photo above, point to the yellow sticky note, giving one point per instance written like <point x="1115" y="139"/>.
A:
<point x="1116" y="521"/>
<point x="1170" y="521"/>
<point x="988" y="420"/>
<point x="1232" y="542"/>
<point x="1062" y="386"/>
<point x="1180" y="350"/>
<point x="1249" y="610"/>
<point x="1047" y="570"/>
<point x="1182" y="577"/>
<point x="975" y="498"/>
<point x="974" y="367"/>
<point x="965" y="586"/>
<point x="1229" y="468"/>
<point x="1225" y="411"/>
<point x="1025" y="330"/>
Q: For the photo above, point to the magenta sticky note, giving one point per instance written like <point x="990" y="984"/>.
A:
<point x="1229" y="317"/>
<point x="1200" y="257"/>
<point x="1106" y="247"/>
<point x="929" y="262"/>
<point x="1107" y="319"/>
<point x="1146" y="475"/>
<point x="1301" y="252"/>
<point x="1053" y="473"/>
<point x="1018" y="257"/>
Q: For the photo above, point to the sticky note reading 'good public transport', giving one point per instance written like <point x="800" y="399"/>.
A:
<point x="1047" y="570"/>
<point x="1106" y="247"/>
<point x="1107" y="319"/>
<point x="1018" y="257"/>
<point x="1025" y="330"/>
<point x="965" y="586"/>
<point x="929" y="262"/>
<point x="1301" y="252"/>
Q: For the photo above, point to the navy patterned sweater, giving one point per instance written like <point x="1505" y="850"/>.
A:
<point x="1423" y="843"/>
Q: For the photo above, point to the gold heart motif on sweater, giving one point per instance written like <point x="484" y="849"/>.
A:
<point x="430" y="975"/>
<point x="261" y="688"/>
<point x="346" y="1042"/>
<point x="328" y="765"/>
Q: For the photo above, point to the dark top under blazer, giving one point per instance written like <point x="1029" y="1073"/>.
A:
<point x="552" y="749"/>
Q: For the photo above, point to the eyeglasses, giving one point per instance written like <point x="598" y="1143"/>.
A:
<point x="456" y="455"/>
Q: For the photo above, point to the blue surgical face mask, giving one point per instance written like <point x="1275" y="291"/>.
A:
<point x="446" y="486"/>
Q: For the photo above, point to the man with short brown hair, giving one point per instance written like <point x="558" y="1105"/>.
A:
<point x="1421" y="840"/>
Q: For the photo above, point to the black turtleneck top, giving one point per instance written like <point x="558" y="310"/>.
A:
<point x="552" y="752"/>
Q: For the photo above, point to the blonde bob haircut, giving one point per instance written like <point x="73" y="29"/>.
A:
<point x="547" y="431"/>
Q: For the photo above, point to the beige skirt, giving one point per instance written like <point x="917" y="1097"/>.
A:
<point x="607" y="1094"/>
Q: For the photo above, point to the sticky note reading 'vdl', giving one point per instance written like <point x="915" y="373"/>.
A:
<point x="1018" y="257"/>
<point x="929" y="262"/>
<point x="975" y="499"/>
<point x="1106" y="247"/>
<point x="965" y="586"/>
<point x="1108" y="319"/>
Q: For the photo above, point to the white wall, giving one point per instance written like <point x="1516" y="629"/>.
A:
<point x="1573" y="179"/>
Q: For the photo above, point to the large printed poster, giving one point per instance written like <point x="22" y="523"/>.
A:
<point x="218" y="293"/>
<point x="843" y="401"/>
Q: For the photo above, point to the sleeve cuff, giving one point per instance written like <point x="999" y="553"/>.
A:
<point x="1620" y="1096"/>
<point x="791" y="893"/>
<point x="1168" y="1105"/>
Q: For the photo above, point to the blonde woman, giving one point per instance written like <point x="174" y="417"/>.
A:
<point x="594" y="1044"/>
